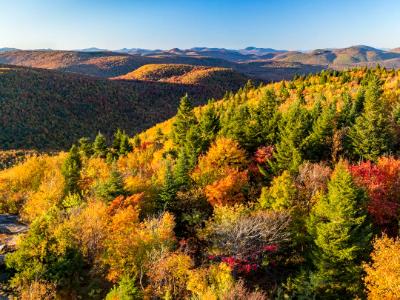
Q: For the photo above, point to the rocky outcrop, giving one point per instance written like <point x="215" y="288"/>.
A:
<point x="10" y="228"/>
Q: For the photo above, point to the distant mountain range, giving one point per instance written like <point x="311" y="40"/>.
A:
<point x="265" y="64"/>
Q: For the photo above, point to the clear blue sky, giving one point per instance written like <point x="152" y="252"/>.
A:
<point x="283" y="24"/>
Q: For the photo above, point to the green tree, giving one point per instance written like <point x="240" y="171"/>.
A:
<point x="168" y="191"/>
<point x="71" y="170"/>
<point x="117" y="140"/>
<point x="182" y="168"/>
<point x="184" y="119"/>
<point x="372" y="134"/>
<point x="112" y="188"/>
<point x="266" y="116"/>
<point x="125" y="146"/>
<point x="209" y="126"/>
<point x="46" y="254"/>
<point x="317" y="146"/>
<point x="341" y="234"/>
<point x="100" y="146"/>
<point x="293" y="128"/>
<point x="85" y="147"/>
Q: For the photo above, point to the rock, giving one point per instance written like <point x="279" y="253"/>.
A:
<point x="10" y="228"/>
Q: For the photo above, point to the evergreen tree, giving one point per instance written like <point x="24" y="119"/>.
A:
<point x="182" y="168"/>
<point x="193" y="146"/>
<point x="125" y="146"/>
<point x="117" y="140"/>
<point x="168" y="191"/>
<point x="85" y="147"/>
<point x="293" y="128"/>
<point x="71" y="169"/>
<point x="372" y="135"/>
<point x="209" y="126"/>
<point x="341" y="234"/>
<point x="136" y="141"/>
<point x="112" y="188"/>
<point x="266" y="117"/>
<point x="318" y="145"/>
<point x="184" y="119"/>
<point x="100" y="146"/>
<point x="236" y="125"/>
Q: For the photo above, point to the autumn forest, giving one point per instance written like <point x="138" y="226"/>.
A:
<point x="286" y="190"/>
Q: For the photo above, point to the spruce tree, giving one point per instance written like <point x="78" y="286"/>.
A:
<point x="209" y="126"/>
<point x="184" y="119"/>
<point x="112" y="188"/>
<point x="117" y="140"/>
<point x="125" y="146"/>
<point x="71" y="169"/>
<point x="341" y="235"/>
<point x="266" y="116"/>
<point x="293" y="128"/>
<point x="372" y="135"/>
<point x="182" y="168"/>
<point x="100" y="146"/>
<point x="168" y="191"/>
<point x="85" y="147"/>
<point x="317" y="146"/>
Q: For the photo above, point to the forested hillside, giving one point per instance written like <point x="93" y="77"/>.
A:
<point x="288" y="190"/>
<point x="49" y="110"/>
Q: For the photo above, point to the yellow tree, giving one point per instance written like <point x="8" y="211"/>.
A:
<point x="383" y="273"/>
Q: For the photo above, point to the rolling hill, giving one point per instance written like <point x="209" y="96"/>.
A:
<point x="107" y="64"/>
<point x="223" y="79"/>
<point x="49" y="110"/>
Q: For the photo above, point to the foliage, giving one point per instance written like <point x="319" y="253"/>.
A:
<point x="339" y="227"/>
<point x="372" y="132"/>
<point x="383" y="272"/>
<point x="381" y="181"/>
<point x="228" y="190"/>
<point x="126" y="290"/>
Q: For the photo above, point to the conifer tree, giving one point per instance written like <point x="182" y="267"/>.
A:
<point x="341" y="235"/>
<point x="209" y="126"/>
<point x="168" y="191"/>
<point x="113" y="187"/>
<point x="125" y="146"/>
<point x="85" y="147"/>
<point x="184" y="119"/>
<point x="117" y="140"/>
<point x="267" y="119"/>
<point x="71" y="169"/>
<point x="372" y="135"/>
<point x="182" y="168"/>
<point x="193" y="146"/>
<point x="317" y="146"/>
<point x="293" y="128"/>
<point x="100" y="146"/>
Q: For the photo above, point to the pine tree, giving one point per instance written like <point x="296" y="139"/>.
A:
<point x="293" y="128"/>
<point x="182" y="168"/>
<point x="125" y="146"/>
<point x="100" y="146"/>
<point x="372" y="135"/>
<point x="136" y="141"/>
<point x="267" y="118"/>
<point x="184" y="119"/>
<point x="317" y="146"/>
<point x="113" y="187"/>
<point x="117" y="140"/>
<point x="341" y="234"/>
<point x="168" y="191"/>
<point x="71" y="169"/>
<point x="209" y="126"/>
<point x="192" y="145"/>
<point x="85" y="147"/>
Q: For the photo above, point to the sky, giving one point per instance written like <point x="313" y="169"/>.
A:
<point x="162" y="24"/>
